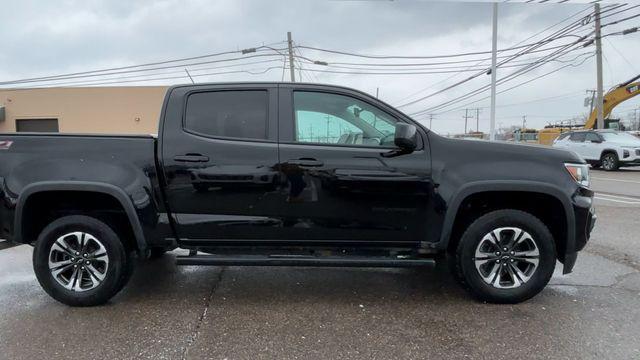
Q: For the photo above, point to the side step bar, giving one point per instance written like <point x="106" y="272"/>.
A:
<point x="246" y="260"/>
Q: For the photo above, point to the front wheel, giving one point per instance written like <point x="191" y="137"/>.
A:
<point x="506" y="256"/>
<point x="80" y="261"/>
<point x="610" y="162"/>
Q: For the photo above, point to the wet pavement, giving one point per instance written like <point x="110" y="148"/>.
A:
<point x="288" y="313"/>
<point x="169" y="312"/>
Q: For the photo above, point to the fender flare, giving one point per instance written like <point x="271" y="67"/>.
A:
<point x="81" y="186"/>
<point x="608" y="150"/>
<point x="508" y="185"/>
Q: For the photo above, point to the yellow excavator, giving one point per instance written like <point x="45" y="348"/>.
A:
<point x="615" y="96"/>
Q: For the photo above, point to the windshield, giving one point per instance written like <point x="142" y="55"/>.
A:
<point x="620" y="137"/>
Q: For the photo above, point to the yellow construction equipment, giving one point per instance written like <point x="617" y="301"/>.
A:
<point x="613" y="98"/>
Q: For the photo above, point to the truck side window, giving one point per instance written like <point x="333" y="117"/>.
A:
<point x="324" y="118"/>
<point x="235" y="114"/>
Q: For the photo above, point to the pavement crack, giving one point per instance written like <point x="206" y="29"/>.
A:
<point x="610" y="253"/>
<point x="196" y="331"/>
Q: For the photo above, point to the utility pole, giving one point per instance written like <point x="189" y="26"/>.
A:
<point x="328" y="118"/>
<point x="600" y="100"/>
<point x="524" y="122"/>
<point x="494" y="56"/>
<point x="430" y="121"/>
<point x="592" y="102"/>
<point x="291" y="67"/>
<point x="466" y="118"/>
<point x="377" y="92"/>
<point x="478" y="120"/>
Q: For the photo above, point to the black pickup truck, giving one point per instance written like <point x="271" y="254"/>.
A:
<point x="270" y="174"/>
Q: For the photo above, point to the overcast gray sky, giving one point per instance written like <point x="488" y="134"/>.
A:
<point x="44" y="38"/>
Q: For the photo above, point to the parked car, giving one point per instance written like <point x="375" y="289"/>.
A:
<point x="602" y="148"/>
<point x="401" y="196"/>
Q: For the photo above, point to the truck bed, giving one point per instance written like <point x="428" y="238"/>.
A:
<point x="29" y="160"/>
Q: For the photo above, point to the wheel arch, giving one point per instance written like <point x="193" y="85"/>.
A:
<point x="112" y="191"/>
<point x="609" y="150"/>
<point x="530" y="188"/>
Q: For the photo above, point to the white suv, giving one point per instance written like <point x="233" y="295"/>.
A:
<point x="606" y="148"/>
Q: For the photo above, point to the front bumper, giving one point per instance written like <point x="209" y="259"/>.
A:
<point x="584" y="219"/>
<point x="632" y="158"/>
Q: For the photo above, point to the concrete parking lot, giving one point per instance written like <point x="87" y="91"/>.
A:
<point x="170" y="312"/>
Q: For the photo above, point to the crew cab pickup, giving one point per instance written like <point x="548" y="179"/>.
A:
<point x="284" y="174"/>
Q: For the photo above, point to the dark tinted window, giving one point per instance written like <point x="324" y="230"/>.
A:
<point x="238" y="114"/>
<point x="37" y="125"/>
<point x="592" y="137"/>
<point x="578" y="137"/>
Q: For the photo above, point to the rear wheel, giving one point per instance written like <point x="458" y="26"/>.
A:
<point x="610" y="161"/>
<point x="80" y="261"/>
<point x="506" y="256"/>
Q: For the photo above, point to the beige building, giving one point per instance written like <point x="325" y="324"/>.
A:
<point x="115" y="110"/>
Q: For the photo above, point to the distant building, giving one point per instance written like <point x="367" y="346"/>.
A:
<point x="121" y="110"/>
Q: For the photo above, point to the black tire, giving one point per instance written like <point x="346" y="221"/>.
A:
<point x="610" y="161"/>
<point x="470" y="277"/>
<point x="117" y="273"/>
<point x="156" y="253"/>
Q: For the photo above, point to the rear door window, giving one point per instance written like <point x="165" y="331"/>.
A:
<point x="578" y="137"/>
<point x="592" y="137"/>
<point x="239" y="114"/>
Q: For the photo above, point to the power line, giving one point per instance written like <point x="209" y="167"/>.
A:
<point x="89" y="83"/>
<point x="621" y="55"/>
<point x="475" y="76"/>
<point x="509" y="77"/>
<point x="517" y="85"/>
<point x="428" y="56"/>
<point x="61" y="77"/>
<point x="475" y="67"/>
<point x="167" y="72"/>
<point x="244" y="51"/>
<point x="518" y="43"/>
<point x="584" y="21"/>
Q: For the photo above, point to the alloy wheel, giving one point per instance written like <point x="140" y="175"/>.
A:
<point x="78" y="261"/>
<point x="506" y="257"/>
<point x="608" y="162"/>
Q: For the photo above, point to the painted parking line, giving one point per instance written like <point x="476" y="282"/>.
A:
<point x="619" y="180"/>
<point x="629" y="198"/>
<point x="617" y="201"/>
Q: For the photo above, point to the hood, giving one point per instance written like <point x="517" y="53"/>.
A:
<point x="498" y="150"/>
<point x="625" y="143"/>
<point x="464" y="161"/>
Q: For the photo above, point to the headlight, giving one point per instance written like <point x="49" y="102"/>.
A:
<point x="579" y="173"/>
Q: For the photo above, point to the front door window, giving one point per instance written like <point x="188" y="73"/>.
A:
<point x="323" y="118"/>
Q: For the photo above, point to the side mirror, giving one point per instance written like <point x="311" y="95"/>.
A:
<point x="406" y="137"/>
